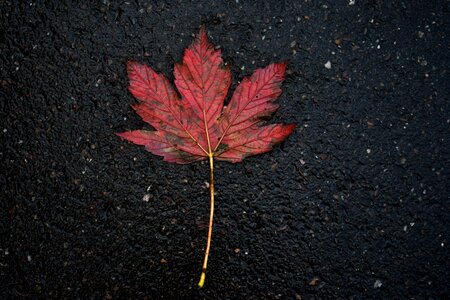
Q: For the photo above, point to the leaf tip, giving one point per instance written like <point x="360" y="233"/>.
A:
<point x="120" y="134"/>
<point x="131" y="67"/>
<point x="288" y="129"/>
<point x="131" y="63"/>
<point x="202" y="36"/>
<point x="282" y="65"/>
<point x="202" y="30"/>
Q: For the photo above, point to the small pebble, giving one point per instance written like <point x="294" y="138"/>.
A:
<point x="377" y="284"/>
<point x="328" y="65"/>
<point x="314" y="281"/>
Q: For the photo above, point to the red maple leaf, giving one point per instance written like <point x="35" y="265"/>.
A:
<point x="197" y="126"/>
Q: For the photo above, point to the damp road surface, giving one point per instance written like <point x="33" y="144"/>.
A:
<point x="353" y="205"/>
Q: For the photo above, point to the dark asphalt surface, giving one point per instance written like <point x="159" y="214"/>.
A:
<point x="354" y="205"/>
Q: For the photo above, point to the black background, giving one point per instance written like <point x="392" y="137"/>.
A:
<point x="354" y="205"/>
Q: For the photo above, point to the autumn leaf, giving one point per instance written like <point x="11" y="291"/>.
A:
<point x="197" y="126"/>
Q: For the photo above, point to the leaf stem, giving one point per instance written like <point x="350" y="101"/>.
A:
<point x="211" y="216"/>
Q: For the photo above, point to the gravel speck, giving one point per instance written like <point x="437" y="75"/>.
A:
<point x="377" y="284"/>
